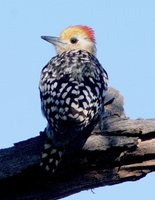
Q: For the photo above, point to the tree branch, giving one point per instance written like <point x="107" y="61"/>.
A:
<point x="119" y="149"/>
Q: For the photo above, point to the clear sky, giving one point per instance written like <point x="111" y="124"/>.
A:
<point x="125" y="35"/>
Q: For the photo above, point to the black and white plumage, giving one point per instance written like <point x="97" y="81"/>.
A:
<point x="72" y="89"/>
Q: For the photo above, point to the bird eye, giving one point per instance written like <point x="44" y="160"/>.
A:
<point x="73" y="40"/>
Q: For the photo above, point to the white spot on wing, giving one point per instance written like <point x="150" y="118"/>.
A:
<point x="60" y="154"/>
<point x="50" y="160"/>
<point x="62" y="101"/>
<point x="84" y="105"/>
<point x="74" y="92"/>
<point x="47" y="146"/>
<point x="55" y="85"/>
<point x="68" y="100"/>
<point x="56" y="116"/>
<point x="85" y="112"/>
<point x="69" y="88"/>
<point x="61" y="110"/>
<point x="57" y="102"/>
<point x="53" y="108"/>
<point x="73" y="116"/>
<point x="90" y="78"/>
<point x="53" y="93"/>
<point x="85" y="93"/>
<point x="44" y="155"/>
<point x="53" y="151"/>
<point x="81" y="118"/>
<point x="48" y="100"/>
<point x="63" y="85"/>
<point x="73" y="105"/>
<point x="97" y="91"/>
<point x="89" y="90"/>
<point x="66" y="109"/>
<point x="64" y="117"/>
<point x="48" y="87"/>
<point x="64" y="95"/>
<point x="71" y="79"/>
<point x="47" y="168"/>
<point x="56" y="162"/>
<point x="45" y="87"/>
<point x="81" y="97"/>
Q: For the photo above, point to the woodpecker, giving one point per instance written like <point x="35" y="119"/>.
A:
<point x="72" y="90"/>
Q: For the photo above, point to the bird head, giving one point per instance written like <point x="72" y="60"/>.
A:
<point x="74" y="37"/>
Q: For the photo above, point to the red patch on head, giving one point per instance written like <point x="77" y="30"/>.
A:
<point x="89" y="31"/>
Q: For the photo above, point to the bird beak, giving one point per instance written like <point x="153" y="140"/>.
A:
<point x="53" y="40"/>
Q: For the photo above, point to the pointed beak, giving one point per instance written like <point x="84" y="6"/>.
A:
<point x="53" y="40"/>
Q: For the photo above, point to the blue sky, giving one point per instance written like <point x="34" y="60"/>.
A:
<point x="125" y="35"/>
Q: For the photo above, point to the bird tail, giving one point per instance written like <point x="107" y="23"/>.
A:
<point x="51" y="156"/>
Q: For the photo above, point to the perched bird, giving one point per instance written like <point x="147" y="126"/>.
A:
<point x="72" y="89"/>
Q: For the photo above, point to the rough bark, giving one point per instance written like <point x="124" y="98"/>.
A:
<point x="119" y="149"/>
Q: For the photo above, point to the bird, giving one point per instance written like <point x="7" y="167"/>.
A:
<point x="72" y="88"/>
